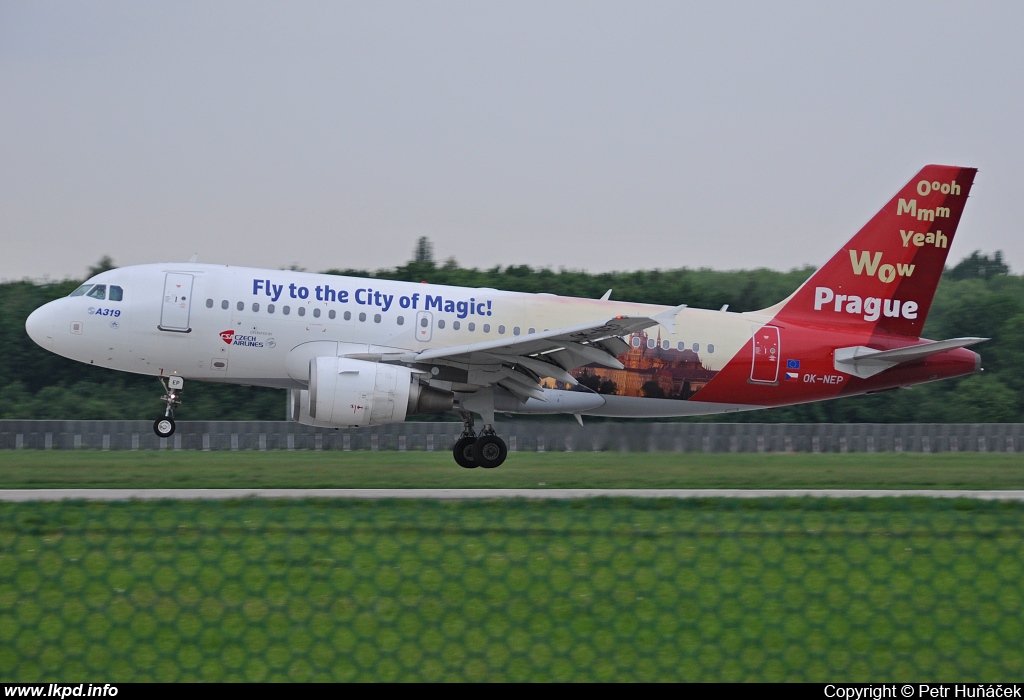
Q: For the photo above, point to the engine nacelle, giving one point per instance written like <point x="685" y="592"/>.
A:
<point x="355" y="393"/>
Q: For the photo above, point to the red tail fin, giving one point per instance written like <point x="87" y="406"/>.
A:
<point x="885" y="277"/>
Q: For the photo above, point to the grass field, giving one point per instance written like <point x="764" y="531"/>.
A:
<point x="603" y="589"/>
<point x="170" y="469"/>
<point x="596" y="590"/>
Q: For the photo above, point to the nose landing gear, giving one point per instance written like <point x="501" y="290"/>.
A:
<point x="164" y="427"/>
<point x="486" y="450"/>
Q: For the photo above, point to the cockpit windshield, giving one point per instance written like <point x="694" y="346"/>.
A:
<point x="99" y="291"/>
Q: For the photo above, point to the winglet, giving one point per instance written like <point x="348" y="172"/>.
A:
<point x="195" y="256"/>
<point x="607" y="295"/>
<point x="668" y="318"/>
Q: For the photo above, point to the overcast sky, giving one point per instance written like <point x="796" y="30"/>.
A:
<point x="586" y="135"/>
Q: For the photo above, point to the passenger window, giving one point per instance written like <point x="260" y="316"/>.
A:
<point x="487" y="328"/>
<point x="270" y="308"/>
<point x="376" y="318"/>
<point x="531" y="331"/>
<point x="116" y="293"/>
<point x="81" y="290"/>
<point x="515" y="331"/>
<point x="680" y="346"/>
<point x="302" y="311"/>
<point x="98" y="292"/>
<point x="362" y="316"/>
<point x="209" y="302"/>
<point x="224" y="304"/>
<point x="665" y="345"/>
<point x="348" y="315"/>
<point x="401" y="320"/>
<point x="651" y="342"/>
<point x="696" y="347"/>
<point x="286" y="310"/>
<point x="423" y="322"/>
<point x="636" y="342"/>
<point x="456" y="325"/>
<point x="711" y="348"/>
<point x="255" y="307"/>
<point x="501" y="330"/>
<point x="240" y="306"/>
<point x="471" y="326"/>
<point x="316" y="313"/>
<point x="331" y="314"/>
<point x="440" y="324"/>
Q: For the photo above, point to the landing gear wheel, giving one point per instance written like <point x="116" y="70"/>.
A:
<point x="463" y="452"/>
<point x="164" y="427"/>
<point x="489" y="451"/>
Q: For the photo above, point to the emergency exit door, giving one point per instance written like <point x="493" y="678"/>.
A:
<point x="176" y="307"/>
<point x="424" y="325"/>
<point x="765" y="366"/>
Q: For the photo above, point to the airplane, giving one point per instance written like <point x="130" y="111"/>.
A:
<point x="357" y="352"/>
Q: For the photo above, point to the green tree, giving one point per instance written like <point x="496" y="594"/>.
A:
<point x="105" y="263"/>
<point x="982" y="398"/>
<point x="424" y="252"/>
<point x="977" y="297"/>
<point x="979" y="266"/>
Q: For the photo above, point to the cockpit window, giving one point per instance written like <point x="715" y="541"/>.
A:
<point x="98" y="292"/>
<point x="116" y="293"/>
<point x="81" y="290"/>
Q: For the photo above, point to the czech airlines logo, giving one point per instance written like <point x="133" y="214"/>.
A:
<point x="246" y="341"/>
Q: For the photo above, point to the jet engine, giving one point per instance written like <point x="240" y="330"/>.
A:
<point x="354" y="393"/>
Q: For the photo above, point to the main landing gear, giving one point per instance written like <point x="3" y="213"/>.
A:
<point x="486" y="450"/>
<point x="164" y="427"/>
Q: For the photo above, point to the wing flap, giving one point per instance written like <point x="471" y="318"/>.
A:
<point x="540" y="367"/>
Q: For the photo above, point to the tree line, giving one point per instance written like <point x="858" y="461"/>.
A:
<point x="976" y="297"/>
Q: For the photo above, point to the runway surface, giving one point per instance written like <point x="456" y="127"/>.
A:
<point x="23" y="495"/>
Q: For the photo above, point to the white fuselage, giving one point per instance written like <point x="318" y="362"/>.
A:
<point x="261" y="327"/>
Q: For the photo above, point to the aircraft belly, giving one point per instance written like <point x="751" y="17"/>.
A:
<point x="636" y="407"/>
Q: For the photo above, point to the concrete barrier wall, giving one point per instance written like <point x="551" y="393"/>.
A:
<point x="631" y="436"/>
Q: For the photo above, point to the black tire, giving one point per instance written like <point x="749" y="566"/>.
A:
<point x="489" y="451"/>
<point x="463" y="452"/>
<point x="164" y="427"/>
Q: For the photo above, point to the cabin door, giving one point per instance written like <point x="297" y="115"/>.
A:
<point x="176" y="307"/>
<point x="765" y="366"/>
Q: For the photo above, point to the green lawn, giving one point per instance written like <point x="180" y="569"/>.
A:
<point x="596" y="590"/>
<point x="38" y="469"/>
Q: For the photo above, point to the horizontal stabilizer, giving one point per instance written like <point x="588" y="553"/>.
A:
<point x="866" y="362"/>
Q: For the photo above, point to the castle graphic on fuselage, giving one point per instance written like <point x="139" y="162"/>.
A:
<point x="651" y="370"/>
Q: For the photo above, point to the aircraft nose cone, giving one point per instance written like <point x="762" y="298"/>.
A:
<point x="39" y="326"/>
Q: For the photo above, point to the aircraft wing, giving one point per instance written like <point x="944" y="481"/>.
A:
<point x="518" y="363"/>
